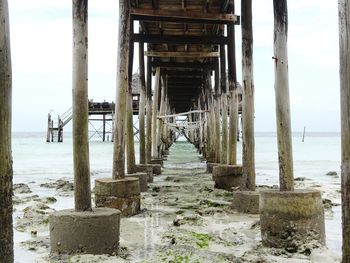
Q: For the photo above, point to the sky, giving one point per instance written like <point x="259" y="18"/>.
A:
<point x="41" y="47"/>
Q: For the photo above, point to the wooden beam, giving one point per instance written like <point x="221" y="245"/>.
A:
<point x="195" y="65"/>
<point x="182" y="16"/>
<point x="181" y="39"/>
<point x="180" y="54"/>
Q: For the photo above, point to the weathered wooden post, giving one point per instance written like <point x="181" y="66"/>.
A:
<point x="149" y="111"/>
<point x="84" y="229"/>
<point x="48" y="128"/>
<point x="344" y="48"/>
<point x="247" y="200"/>
<point x="142" y="104"/>
<point x="233" y="97"/>
<point x="121" y="192"/>
<point x="82" y="189"/>
<point x="224" y="109"/>
<point x="155" y="113"/>
<point x="303" y="221"/>
<point x="230" y="175"/>
<point x="6" y="172"/>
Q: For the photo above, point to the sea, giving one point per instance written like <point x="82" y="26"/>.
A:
<point x="35" y="162"/>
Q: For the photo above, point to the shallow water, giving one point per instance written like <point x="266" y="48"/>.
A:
<point x="37" y="162"/>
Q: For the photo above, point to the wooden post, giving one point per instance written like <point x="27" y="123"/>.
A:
<point x="142" y="105"/>
<point x="284" y="133"/>
<point x="248" y="157"/>
<point x="122" y="88"/>
<point x="104" y="128"/>
<point x="130" y="144"/>
<point x="6" y="172"/>
<point x="233" y="97"/>
<point x="155" y="112"/>
<point x="48" y="127"/>
<point x="223" y="104"/>
<point x="344" y="48"/>
<point x="217" y="105"/>
<point x="82" y="191"/>
<point x="162" y="111"/>
<point x="149" y="111"/>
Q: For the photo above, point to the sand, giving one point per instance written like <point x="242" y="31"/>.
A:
<point x="183" y="219"/>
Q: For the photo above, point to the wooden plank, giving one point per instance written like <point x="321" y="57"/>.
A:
<point x="195" y="65"/>
<point x="180" y="54"/>
<point x="181" y="114"/>
<point x="183" y="16"/>
<point x="180" y="39"/>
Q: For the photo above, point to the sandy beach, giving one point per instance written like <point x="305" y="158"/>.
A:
<point x="183" y="219"/>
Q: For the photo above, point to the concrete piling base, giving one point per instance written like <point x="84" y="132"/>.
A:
<point x="156" y="161"/>
<point x="291" y="218"/>
<point x="122" y="194"/>
<point x="145" y="168"/>
<point x="227" y="176"/>
<point x="88" y="232"/>
<point x="246" y="201"/>
<point x="156" y="168"/>
<point x="143" y="180"/>
<point x="210" y="167"/>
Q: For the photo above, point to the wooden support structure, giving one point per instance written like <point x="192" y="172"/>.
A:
<point x="217" y="106"/>
<point x="82" y="189"/>
<point x="181" y="54"/>
<point x="155" y="113"/>
<point x="233" y="96"/>
<point x="6" y="171"/>
<point x="344" y="48"/>
<point x="248" y="156"/>
<point x="223" y="80"/>
<point x="182" y="16"/>
<point x="130" y="144"/>
<point x="149" y="111"/>
<point x="142" y="105"/>
<point x="199" y="40"/>
<point x="122" y="89"/>
<point x="284" y="131"/>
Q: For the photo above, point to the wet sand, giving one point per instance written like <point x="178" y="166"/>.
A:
<point x="183" y="219"/>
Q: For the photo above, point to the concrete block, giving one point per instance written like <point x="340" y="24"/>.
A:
<point x="291" y="218"/>
<point x="246" y="201"/>
<point x="227" y="176"/>
<point x="210" y="167"/>
<point x="143" y="180"/>
<point x="88" y="232"/>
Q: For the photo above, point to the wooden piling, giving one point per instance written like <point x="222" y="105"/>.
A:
<point x="233" y="97"/>
<point x="248" y="156"/>
<point x="217" y="106"/>
<point x="122" y="88"/>
<point x="284" y="133"/>
<point x="344" y="48"/>
<point x="149" y="111"/>
<point x="48" y="128"/>
<point x="142" y="105"/>
<point x="130" y="144"/>
<point x="155" y="113"/>
<point x="224" y="109"/>
<point x="6" y="172"/>
<point x="82" y="189"/>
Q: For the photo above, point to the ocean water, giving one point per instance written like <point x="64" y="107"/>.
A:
<point x="36" y="162"/>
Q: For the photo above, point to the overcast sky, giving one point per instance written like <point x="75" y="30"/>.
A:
<point x="41" y="41"/>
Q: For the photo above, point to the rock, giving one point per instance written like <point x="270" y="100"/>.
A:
<point x="34" y="216"/>
<point x="299" y="179"/>
<point x="332" y="173"/>
<point x="328" y="204"/>
<point x="21" y="189"/>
